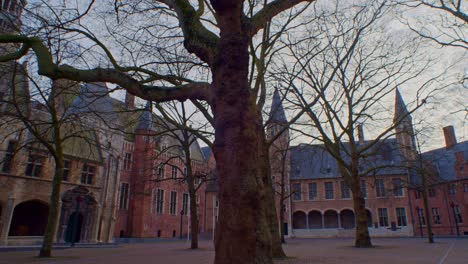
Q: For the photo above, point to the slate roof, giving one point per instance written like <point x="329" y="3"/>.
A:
<point x="94" y="100"/>
<point x="206" y="153"/>
<point x="314" y="162"/>
<point x="444" y="159"/>
<point x="145" y="122"/>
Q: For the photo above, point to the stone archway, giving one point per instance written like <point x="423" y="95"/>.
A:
<point x="78" y="220"/>
<point x="29" y="219"/>
<point x="330" y="218"/>
<point x="299" y="220"/>
<point x="348" y="220"/>
<point x="315" y="220"/>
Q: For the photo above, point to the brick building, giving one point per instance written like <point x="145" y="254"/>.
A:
<point x="447" y="173"/>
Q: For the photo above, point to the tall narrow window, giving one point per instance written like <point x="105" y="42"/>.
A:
<point x="123" y="202"/>
<point x="127" y="161"/>
<point x="87" y="174"/>
<point x="160" y="172"/>
<point x="436" y="216"/>
<point x="173" y="203"/>
<point x="458" y="214"/>
<point x="417" y="194"/>
<point x="159" y="201"/>
<point x="401" y="216"/>
<point x="383" y="216"/>
<point x="297" y="194"/>
<point x="364" y="188"/>
<point x="174" y="172"/>
<point x="312" y="191"/>
<point x="380" y="188"/>
<point x="34" y="166"/>
<point x="397" y="187"/>
<point x="185" y="197"/>
<point x="421" y="217"/>
<point x="432" y="192"/>
<point x="465" y="187"/>
<point x="452" y="188"/>
<point x="9" y="154"/>
<point x="328" y="190"/>
<point x="66" y="170"/>
<point x="345" y="192"/>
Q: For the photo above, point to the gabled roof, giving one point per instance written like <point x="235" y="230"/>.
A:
<point x="314" y="162"/>
<point x="444" y="159"/>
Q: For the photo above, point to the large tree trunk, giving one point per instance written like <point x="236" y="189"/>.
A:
<point x="242" y="235"/>
<point x="362" y="238"/>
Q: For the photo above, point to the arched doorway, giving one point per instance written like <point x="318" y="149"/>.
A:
<point x="29" y="219"/>
<point x="347" y="218"/>
<point x="299" y="220"/>
<point x="330" y="218"/>
<point x="315" y="220"/>
<point x="79" y="215"/>
<point x="75" y="223"/>
<point x="369" y="218"/>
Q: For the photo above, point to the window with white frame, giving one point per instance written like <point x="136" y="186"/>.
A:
<point x="173" y="203"/>
<point x="421" y="217"/>
<point x="397" y="187"/>
<point x="329" y="193"/>
<point x="436" y="216"/>
<point x="160" y="171"/>
<point x="458" y="214"/>
<point x="432" y="192"/>
<point x="174" y="172"/>
<point x="124" y="196"/>
<point x="159" y="201"/>
<point x="66" y="170"/>
<point x="9" y="154"/>
<point x="465" y="187"/>
<point x="34" y="166"/>
<point x="297" y="194"/>
<point x="87" y="174"/>
<point x="127" y="161"/>
<point x="383" y="216"/>
<point x="401" y="216"/>
<point x="345" y="191"/>
<point x="312" y="191"/>
<point x="185" y="198"/>
<point x="452" y="188"/>
<point x="364" y="188"/>
<point x="379" y="188"/>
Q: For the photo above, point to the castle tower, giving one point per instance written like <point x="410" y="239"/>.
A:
<point x="280" y="160"/>
<point x="404" y="128"/>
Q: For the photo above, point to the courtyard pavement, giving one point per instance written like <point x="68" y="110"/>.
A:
<point x="300" y="251"/>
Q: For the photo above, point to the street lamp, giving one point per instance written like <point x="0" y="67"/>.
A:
<point x="79" y="199"/>
<point x="181" y="220"/>
<point x="419" y="220"/>
<point x="455" y="216"/>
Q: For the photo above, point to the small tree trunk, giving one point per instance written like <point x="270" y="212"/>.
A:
<point x="193" y="220"/>
<point x="46" y="248"/>
<point x="430" y="236"/>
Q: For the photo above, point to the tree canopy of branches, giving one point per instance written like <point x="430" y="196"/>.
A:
<point x="217" y="33"/>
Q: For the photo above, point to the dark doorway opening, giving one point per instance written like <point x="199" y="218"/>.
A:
<point x="29" y="219"/>
<point x="74" y="225"/>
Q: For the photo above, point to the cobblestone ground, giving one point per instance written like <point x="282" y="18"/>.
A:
<point x="301" y="251"/>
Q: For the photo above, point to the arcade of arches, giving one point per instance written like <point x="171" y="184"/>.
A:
<point x="329" y="219"/>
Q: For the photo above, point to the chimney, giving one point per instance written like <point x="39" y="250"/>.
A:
<point x="360" y="134"/>
<point x="129" y="101"/>
<point x="450" y="139"/>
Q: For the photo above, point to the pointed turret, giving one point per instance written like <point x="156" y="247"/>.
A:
<point x="277" y="114"/>
<point x="404" y="127"/>
<point x="401" y="112"/>
<point x="145" y="122"/>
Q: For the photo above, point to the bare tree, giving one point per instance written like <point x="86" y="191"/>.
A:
<point x="445" y="21"/>
<point x="347" y="69"/>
